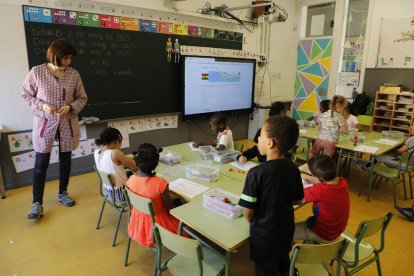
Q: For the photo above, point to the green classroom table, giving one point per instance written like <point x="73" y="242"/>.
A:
<point x="228" y="234"/>
<point x="346" y="146"/>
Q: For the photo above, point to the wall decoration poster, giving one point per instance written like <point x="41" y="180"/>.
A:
<point x="20" y="141"/>
<point x="92" y="146"/>
<point x="137" y="125"/>
<point x="207" y="32"/>
<point x="54" y="155"/>
<point x="82" y="150"/>
<point x="37" y="14"/>
<point x="180" y="29"/>
<point x="122" y="126"/>
<point x="110" y="22"/>
<point x="169" y="121"/>
<point x="312" y="76"/>
<point x="64" y="17"/>
<point x="396" y="46"/>
<point x="165" y="28"/>
<point x="24" y="162"/>
<point x="194" y="31"/>
<point x="88" y="19"/>
<point x="129" y="24"/>
<point x="150" y="123"/>
<point x="83" y="135"/>
<point x="148" y="26"/>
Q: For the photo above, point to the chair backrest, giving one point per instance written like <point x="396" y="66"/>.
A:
<point x="370" y="227"/>
<point x="140" y="203"/>
<point x="238" y="146"/>
<point x="405" y="159"/>
<point x="105" y="179"/>
<point x="319" y="253"/>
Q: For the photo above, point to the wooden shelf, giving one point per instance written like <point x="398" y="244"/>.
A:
<point x="390" y="100"/>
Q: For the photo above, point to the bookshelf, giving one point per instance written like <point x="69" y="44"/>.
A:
<point x="393" y="110"/>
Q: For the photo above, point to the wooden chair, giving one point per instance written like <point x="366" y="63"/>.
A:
<point x="189" y="257"/>
<point x="119" y="207"/>
<point x="361" y="250"/>
<point x="311" y="259"/>
<point x="303" y="146"/>
<point x="144" y="205"/>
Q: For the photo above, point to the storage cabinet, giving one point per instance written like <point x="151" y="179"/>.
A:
<point x="393" y="111"/>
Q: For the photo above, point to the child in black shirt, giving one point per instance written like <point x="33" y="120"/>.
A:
<point x="268" y="196"/>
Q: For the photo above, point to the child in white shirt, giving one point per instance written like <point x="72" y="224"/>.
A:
<point x="351" y="120"/>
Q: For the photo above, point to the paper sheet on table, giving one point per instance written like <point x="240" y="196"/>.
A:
<point x="246" y="166"/>
<point x="192" y="147"/>
<point x="386" y="142"/>
<point x="367" y="149"/>
<point x="187" y="188"/>
<point x="302" y="131"/>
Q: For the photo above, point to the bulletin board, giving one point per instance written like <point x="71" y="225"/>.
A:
<point x="396" y="48"/>
<point x="122" y="61"/>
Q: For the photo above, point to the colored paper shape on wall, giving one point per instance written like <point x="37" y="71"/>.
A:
<point x="64" y="17"/>
<point x="37" y="14"/>
<point x="165" y="28"/>
<point x="88" y="19"/>
<point x="110" y="22"/>
<point x="129" y="24"/>
<point x="207" y="32"/>
<point x="20" y="141"/>
<point x="24" y="162"/>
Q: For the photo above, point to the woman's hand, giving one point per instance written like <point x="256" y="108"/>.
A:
<point x="63" y="110"/>
<point x="48" y="108"/>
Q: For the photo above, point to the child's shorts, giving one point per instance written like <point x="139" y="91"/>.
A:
<point x="119" y="196"/>
<point x="326" y="147"/>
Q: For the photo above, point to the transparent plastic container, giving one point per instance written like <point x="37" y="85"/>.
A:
<point x="222" y="202"/>
<point x="206" y="152"/>
<point x="170" y="158"/>
<point x="202" y="171"/>
<point x="393" y="134"/>
<point x="225" y="156"/>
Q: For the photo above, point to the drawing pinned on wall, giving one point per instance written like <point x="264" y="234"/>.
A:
<point x="137" y="125"/>
<point x="20" y="142"/>
<point x="312" y="76"/>
<point x="396" y="46"/>
<point x="24" y="161"/>
<point x="122" y="126"/>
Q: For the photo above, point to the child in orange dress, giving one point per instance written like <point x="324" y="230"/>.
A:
<point x="146" y="184"/>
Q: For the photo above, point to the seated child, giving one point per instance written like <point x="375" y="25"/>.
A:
<point x="350" y="119"/>
<point x="277" y="108"/>
<point x="218" y="124"/>
<point x="111" y="160"/>
<point x="392" y="159"/>
<point x="330" y="197"/>
<point x="269" y="192"/>
<point x="146" y="184"/>
<point x="323" y="107"/>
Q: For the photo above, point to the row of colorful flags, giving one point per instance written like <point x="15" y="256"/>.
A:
<point x="67" y="17"/>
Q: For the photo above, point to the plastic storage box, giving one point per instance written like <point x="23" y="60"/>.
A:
<point x="206" y="152"/>
<point x="225" y="156"/>
<point x="393" y="134"/>
<point x="202" y="171"/>
<point x="169" y="157"/>
<point x="222" y="202"/>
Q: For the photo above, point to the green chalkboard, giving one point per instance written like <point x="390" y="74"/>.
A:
<point x="125" y="73"/>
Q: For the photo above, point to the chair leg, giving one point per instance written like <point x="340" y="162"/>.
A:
<point x="127" y="251"/>
<point x="404" y="187"/>
<point x="100" y="214"/>
<point x="411" y="186"/>
<point x="394" y="190"/>
<point x="378" y="266"/>
<point x="117" y="227"/>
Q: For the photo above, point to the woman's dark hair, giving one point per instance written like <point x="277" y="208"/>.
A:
<point x="108" y="136"/>
<point x="284" y="130"/>
<point x="323" y="166"/>
<point x="147" y="158"/>
<point x="59" y="49"/>
<point x="325" y="105"/>
<point x="277" y="108"/>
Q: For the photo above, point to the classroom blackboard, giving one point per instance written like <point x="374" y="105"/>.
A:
<point x="125" y="73"/>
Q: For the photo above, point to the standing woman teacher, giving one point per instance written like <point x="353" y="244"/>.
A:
<point x="55" y="93"/>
